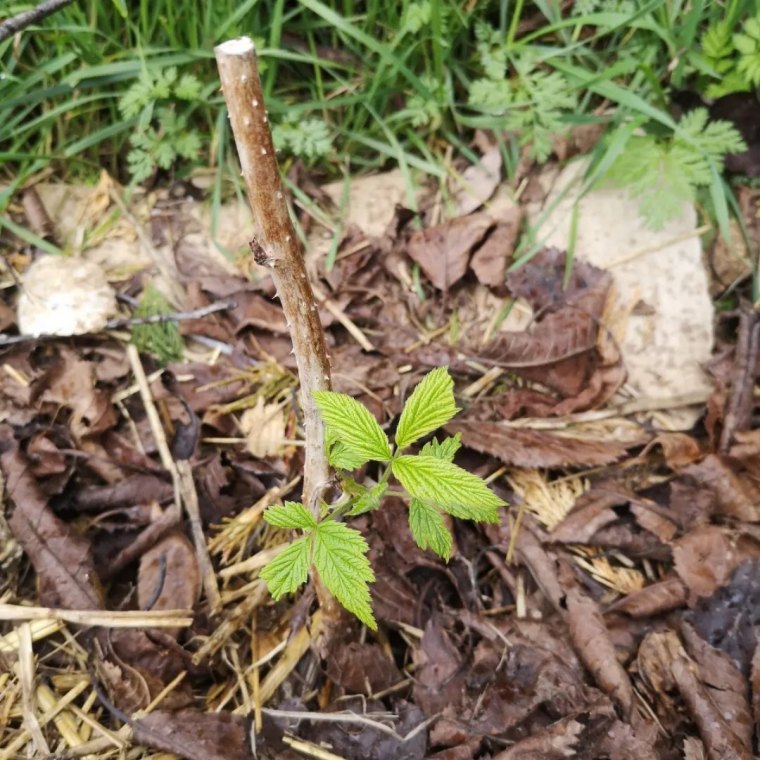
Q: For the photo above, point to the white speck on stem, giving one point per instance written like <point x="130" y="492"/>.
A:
<point x="263" y="151"/>
<point x="244" y="78"/>
<point x="255" y="103"/>
<point x="279" y="195"/>
<point x="288" y="238"/>
<point x="247" y="122"/>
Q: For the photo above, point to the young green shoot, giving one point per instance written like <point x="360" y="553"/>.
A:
<point x="432" y="484"/>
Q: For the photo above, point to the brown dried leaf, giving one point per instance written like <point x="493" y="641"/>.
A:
<point x="61" y="558"/>
<point x="443" y="252"/>
<point x="169" y="578"/>
<point x="367" y="742"/>
<point x="592" y="641"/>
<point x="440" y="677"/>
<point x="556" y="742"/>
<point x="592" y="511"/>
<point x="362" y="668"/>
<point x="196" y="735"/>
<point x="678" y="449"/>
<point x="755" y="682"/>
<point x="720" y="741"/>
<point x="654" y="599"/>
<point x="524" y="447"/>
<point x="648" y="517"/>
<point x="706" y="557"/>
<point x="734" y="496"/>
<point x="489" y="262"/>
<point x="478" y="182"/>
<point x="72" y="384"/>
<point x="152" y="658"/>
<point x="135" y="489"/>
<point x="725" y="684"/>
<point x="264" y="428"/>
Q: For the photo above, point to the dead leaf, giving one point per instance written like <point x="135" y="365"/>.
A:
<point x="263" y="426"/>
<point x="478" y="182"/>
<point x="362" y="668"/>
<point x="367" y="742"/>
<point x="72" y="384"/>
<point x="558" y="741"/>
<point x="135" y="489"/>
<point x="734" y="496"/>
<point x="196" y="735"/>
<point x="524" y="447"/>
<point x="664" y="351"/>
<point x="443" y="252"/>
<point x="724" y="682"/>
<point x="720" y="741"/>
<point x="489" y="262"/>
<point x="440" y="676"/>
<point x="151" y="658"/>
<point x="593" y="644"/>
<point x="706" y="557"/>
<point x="61" y="558"/>
<point x="654" y="599"/>
<point x="678" y="449"/>
<point x="169" y="578"/>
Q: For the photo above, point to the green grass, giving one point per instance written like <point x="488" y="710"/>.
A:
<point x="391" y="84"/>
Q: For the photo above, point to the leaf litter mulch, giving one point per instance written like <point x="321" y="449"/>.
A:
<point x="613" y="612"/>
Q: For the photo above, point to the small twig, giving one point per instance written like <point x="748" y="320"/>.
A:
<point x="26" y="672"/>
<point x="344" y="319"/>
<point x="20" y="21"/>
<point x="738" y="416"/>
<point x="100" y="618"/>
<point x="192" y="509"/>
<point x="182" y="479"/>
<point x="172" y="316"/>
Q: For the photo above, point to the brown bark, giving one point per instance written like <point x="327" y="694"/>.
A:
<point x="276" y="246"/>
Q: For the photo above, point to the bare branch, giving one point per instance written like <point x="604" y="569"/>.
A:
<point x="276" y="245"/>
<point x="20" y="21"/>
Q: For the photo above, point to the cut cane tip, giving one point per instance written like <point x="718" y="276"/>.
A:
<point x="238" y="46"/>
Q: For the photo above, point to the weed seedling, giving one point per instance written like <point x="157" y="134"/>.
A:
<point x="432" y="486"/>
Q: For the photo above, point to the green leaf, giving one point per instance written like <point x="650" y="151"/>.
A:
<point x="164" y="154"/>
<point x="716" y="41"/>
<point x="442" y="483"/>
<point x="291" y="514"/>
<point x="188" y="145"/>
<point x="430" y="406"/>
<point x="342" y="458"/>
<point x="141" y="164"/>
<point x="429" y="529"/>
<point x="340" y="556"/>
<point x="188" y="87"/>
<point x="352" y="425"/>
<point x="369" y="500"/>
<point x="289" y="569"/>
<point x="446" y="449"/>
